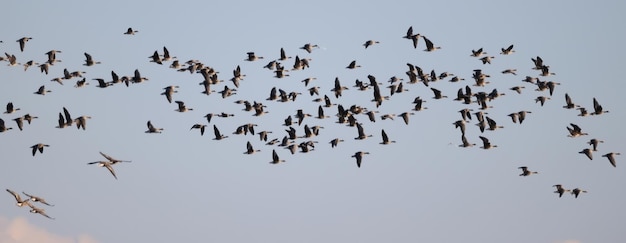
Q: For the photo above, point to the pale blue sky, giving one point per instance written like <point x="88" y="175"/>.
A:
<point x="183" y="187"/>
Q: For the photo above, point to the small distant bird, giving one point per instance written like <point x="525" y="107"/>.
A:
<point x="152" y="129"/>
<point x="199" y="126"/>
<point x="89" y="60"/>
<point x="39" y="147"/>
<point x="560" y="190"/>
<point x="252" y="57"/>
<point x="587" y="152"/>
<point x="37" y="199"/>
<point x="335" y="142"/>
<point x="130" y="31"/>
<point x="275" y="158"/>
<point x="23" y="41"/>
<point x="309" y="47"/>
<point x="369" y="43"/>
<point x="250" y="149"/>
<point x="218" y="134"/>
<point x="353" y="65"/>
<point x="34" y="209"/>
<point x="508" y="50"/>
<point x="478" y="53"/>
<point x="611" y="157"/>
<point x="594" y="143"/>
<point x="385" y="138"/>
<point x="182" y="107"/>
<point x="597" y="108"/>
<point x="526" y="172"/>
<point x="575" y="131"/>
<point x="20" y="202"/>
<point x="486" y="143"/>
<point x="169" y="91"/>
<point x="577" y="191"/>
<point x="429" y="45"/>
<point x="3" y="128"/>
<point x="105" y="164"/>
<point x="359" y="157"/>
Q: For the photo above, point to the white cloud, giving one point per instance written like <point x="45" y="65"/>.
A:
<point x="19" y="230"/>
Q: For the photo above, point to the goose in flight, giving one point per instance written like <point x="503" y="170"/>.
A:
<point x="275" y="158"/>
<point x="130" y="31"/>
<point x="335" y="142"/>
<point x="478" y="53"/>
<point x="597" y="108"/>
<point x="39" y="147"/>
<point x="23" y="41"/>
<point x="611" y="157"/>
<point x="169" y="91"/>
<point x="429" y="45"/>
<point x="152" y="129"/>
<point x="369" y="43"/>
<point x="507" y="51"/>
<point x="588" y="153"/>
<point x="105" y="164"/>
<point x="199" y="126"/>
<point x="568" y="102"/>
<point x="113" y="160"/>
<point x="560" y="190"/>
<point x="89" y="60"/>
<point x="10" y="108"/>
<point x="575" y="131"/>
<point x="594" y="143"/>
<point x="20" y="202"/>
<point x="385" y="138"/>
<point x="577" y="191"/>
<point x="34" y="209"/>
<point x="182" y="107"/>
<point x="359" y="157"/>
<point x="353" y="65"/>
<point x="81" y="122"/>
<point x="486" y="143"/>
<point x="526" y="172"/>
<point x="252" y="57"/>
<point x="37" y="199"/>
<point x="218" y="135"/>
<point x="250" y="149"/>
<point x="3" y="128"/>
<point x="309" y="47"/>
<point x="42" y="90"/>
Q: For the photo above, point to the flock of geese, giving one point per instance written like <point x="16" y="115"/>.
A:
<point x="350" y="116"/>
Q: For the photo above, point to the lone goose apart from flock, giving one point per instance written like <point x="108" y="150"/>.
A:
<point x="39" y="147"/>
<point x="526" y="172"/>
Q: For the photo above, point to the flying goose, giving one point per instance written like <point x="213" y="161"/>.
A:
<point x="465" y="143"/>
<point x="594" y="143"/>
<point x="405" y="116"/>
<point x="429" y="45"/>
<point x="369" y="43"/>
<point x="577" y="191"/>
<point x="597" y="108"/>
<point x="492" y="124"/>
<point x="510" y="70"/>
<point x="152" y="129"/>
<point x="611" y="157"/>
<point x="560" y="190"/>
<point x="10" y="108"/>
<point x="42" y="90"/>
<point x="130" y="31"/>
<point x="309" y="47"/>
<point x="37" y="199"/>
<point x="541" y="99"/>
<point x="575" y="131"/>
<point x="23" y="41"/>
<point x="89" y="60"/>
<point x="252" y="57"/>
<point x="112" y="160"/>
<point x="20" y="122"/>
<point x="478" y="53"/>
<point x="182" y="107"/>
<point x="199" y="126"/>
<point x="385" y="138"/>
<point x="169" y="91"/>
<point x="507" y="51"/>
<point x="568" y="103"/>
<point x="39" y="147"/>
<point x="486" y="59"/>
<point x="275" y="158"/>
<point x="34" y="209"/>
<point x="250" y="149"/>
<point x="353" y="65"/>
<point x="105" y="164"/>
<point x="19" y="200"/>
<point x="81" y="122"/>
<point x="486" y="143"/>
<point x="526" y="172"/>
<point x="359" y="156"/>
<point x="3" y="128"/>
<point x="588" y="153"/>
<point x="218" y="135"/>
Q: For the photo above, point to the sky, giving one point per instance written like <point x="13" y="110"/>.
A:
<point x="184" y="187"/>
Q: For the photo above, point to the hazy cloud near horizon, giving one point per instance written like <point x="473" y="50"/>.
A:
<point x="19" y="230"/>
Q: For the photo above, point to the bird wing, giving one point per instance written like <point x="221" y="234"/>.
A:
<point x="17" y="196"/>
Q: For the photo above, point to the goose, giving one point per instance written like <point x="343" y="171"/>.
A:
<point x="361" y="132"/>
<point x="521" y="116"/>
<point x="130" y="31"/>
<point x="518" y="89"/>
<point x="338" y="89"/>
<point x="10" y="108"/>
<point x="218" y="135"/>
<point x="583" y="111"/>
<point x="526" y="172"/>
<point x="611" y="157"/>
<point x="105" y="164"/>
<point x="538" y="63"/>
<point x="250" y="149"/>
<point x="237" y="76"/>
<point x="68" y="118"/>
<point x="387" y="116"/>
<point x="541" y="99"/>
<point x="306" y="82"/>
<point x="283" y="56"/>
<point x="152" y="129"/>
<point x="437" y="94"/>
<point x="166" y="55"/>
<point x="275" y="158"/>
<point x="263" y="135"/>
<point x="44" y="68"/>
<point x="510" y="70"/>
<point x="320" y="113"/>
<point x="58" y="80"/>
<point x="560" y="190"/>
<point x="385" y="138"/>
<point x="309" y="47"/>
<point x="39" y="147"/>
<point x="29" y="117"/>
<point x="34" y="209"/>
<point x="492" y="124"/>
<point x="37" y="199"/>
<point x="156" y="58"/>
<point x="252" y="57"/>
<point x="597" y="108"/>
<point x="588" y="153"/>
<point x="52" y="56"/>
<point x="113" y="160"/>
<point x="176" y="65"/>
<point x="301" y="115"/>
<point x="198" y="126"/>
<point x="478" y="53"/>
<point x="19" y="200"/>
<point x="545" y="71"/>
<point x="568" y="103"/>
<point x="405" y="116"/>
<point x="575" y="131"/>
<point x="20" y="122"/>
<point x="507" y="51"/>
<point x="465" y="143"/>
<point x="419" y="104"/>
<point x="89" y="60"/>
<point x="486" y="143"/>
<point x="335" y="142"/>
<point x="23" y="41"/>
<point x="577" y="191"/>
<point x="182" y="107"/>
<point x="81" y="122"/>
<point x="460" y="124"/>
<point x="12" y="60"/>
<point x="514" y="117"/>
<point x="429" y="45"/>
<point x="169" y="91"/>
<point x="3" y="128"/>
<point x="594" y="143"/>
<point x="353" y="65"/>
<point x="369" y="43"/>
<point x="42" y="90"/>
<point x="102" y="83"/>
<point x="359" y="156"/>
<point x="29" y="64"/>
<point x="137" y="78"/>
<point x="487" y="59"/>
